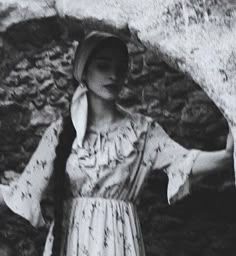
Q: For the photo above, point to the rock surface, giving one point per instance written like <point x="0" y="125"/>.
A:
<point x="13" y="11"/>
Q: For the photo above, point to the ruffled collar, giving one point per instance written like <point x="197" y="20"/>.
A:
<point x="109" y="146"/>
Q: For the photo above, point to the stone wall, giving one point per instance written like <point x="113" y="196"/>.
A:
<point x="36" y="86"/>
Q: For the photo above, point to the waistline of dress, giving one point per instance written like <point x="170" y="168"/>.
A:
<point x="87" y="199"/>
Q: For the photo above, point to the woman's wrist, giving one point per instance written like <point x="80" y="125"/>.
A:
<point x="228" y="157"/>
<point x="210" y="162"/>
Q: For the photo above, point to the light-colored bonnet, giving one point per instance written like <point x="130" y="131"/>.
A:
<point x="79" y="103"/>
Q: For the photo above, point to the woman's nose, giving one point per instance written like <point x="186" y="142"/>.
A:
<point x="114" y="74"/>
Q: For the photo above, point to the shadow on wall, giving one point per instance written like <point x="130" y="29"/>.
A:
<point x="36" y="86"/>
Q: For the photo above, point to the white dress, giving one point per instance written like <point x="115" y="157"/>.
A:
<point x="105" y="177"/>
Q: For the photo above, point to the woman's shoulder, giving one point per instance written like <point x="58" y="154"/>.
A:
<point x="55" y="127"/>
<point x="146" y="124"/>
<point x="57" y="123"/>
<point x="141" y="120"/>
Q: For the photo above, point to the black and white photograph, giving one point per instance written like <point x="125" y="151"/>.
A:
<point x="117" y="127"/>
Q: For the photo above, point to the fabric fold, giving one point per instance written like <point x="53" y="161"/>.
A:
<point x="79" y="112"/>
<point x="179" y="175"/>
<point x="29" y="209"/>
<point x="100" y="149"/>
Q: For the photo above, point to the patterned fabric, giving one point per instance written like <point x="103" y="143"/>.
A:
<point x="106" y="176"/>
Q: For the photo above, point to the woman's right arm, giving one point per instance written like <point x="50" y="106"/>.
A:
<point x="2" y="202"/>
<point x="24" y="195"/>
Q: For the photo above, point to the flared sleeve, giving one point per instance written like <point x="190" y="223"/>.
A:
<point x="172" y="158"/>
<point x="24" y="195"/>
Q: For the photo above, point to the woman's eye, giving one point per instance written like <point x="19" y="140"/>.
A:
<point x="122" y="70"/>
<point x="103" y="66"/>
<point x="108" y="67"/>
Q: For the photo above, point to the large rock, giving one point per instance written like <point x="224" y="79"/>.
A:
<point x="13" y="11"/>
<point x="198" y="37"/>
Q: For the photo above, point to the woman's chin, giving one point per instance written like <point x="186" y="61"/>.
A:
<point x="105" y="95"/>
<point x="110" y="97"/>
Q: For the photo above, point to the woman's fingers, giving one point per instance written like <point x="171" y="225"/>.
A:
<point x="230" y="142"/>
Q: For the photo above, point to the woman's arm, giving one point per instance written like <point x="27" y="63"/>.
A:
<point x="2" y="202"/>
<point x="23" y="196"/>
<point x="209" y="162"/>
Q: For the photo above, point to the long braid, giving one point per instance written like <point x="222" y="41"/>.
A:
<point x="63" y="150"/>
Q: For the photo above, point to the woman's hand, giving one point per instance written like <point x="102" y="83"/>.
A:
<point x="230" y="144"/>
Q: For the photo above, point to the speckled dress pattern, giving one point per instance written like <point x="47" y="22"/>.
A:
<point x="105" y="178"/>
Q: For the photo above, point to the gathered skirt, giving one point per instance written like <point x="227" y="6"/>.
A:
<point x="96" y="226"/>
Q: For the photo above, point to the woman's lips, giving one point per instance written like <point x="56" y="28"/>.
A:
<point x="112" y="87"/>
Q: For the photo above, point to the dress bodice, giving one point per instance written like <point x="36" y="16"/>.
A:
<point x="108" y="163"/>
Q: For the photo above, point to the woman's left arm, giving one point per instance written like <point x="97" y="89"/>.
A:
<point x="209" y="162"/>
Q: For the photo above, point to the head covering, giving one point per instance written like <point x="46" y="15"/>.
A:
<point x="79" y="104"/>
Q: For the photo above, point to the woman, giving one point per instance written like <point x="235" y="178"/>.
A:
<point x="100" y="157"/>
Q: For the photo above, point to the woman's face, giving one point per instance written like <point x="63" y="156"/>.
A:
<point x="106" y="73"/>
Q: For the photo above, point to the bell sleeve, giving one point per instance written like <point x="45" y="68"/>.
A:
<point x="175" y="160"/>
<point x="24" y="195"/>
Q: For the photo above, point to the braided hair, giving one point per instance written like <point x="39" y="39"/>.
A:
<point x="63" y="150"/>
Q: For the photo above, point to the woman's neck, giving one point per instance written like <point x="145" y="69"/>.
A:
<point x="102" y="112"/>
